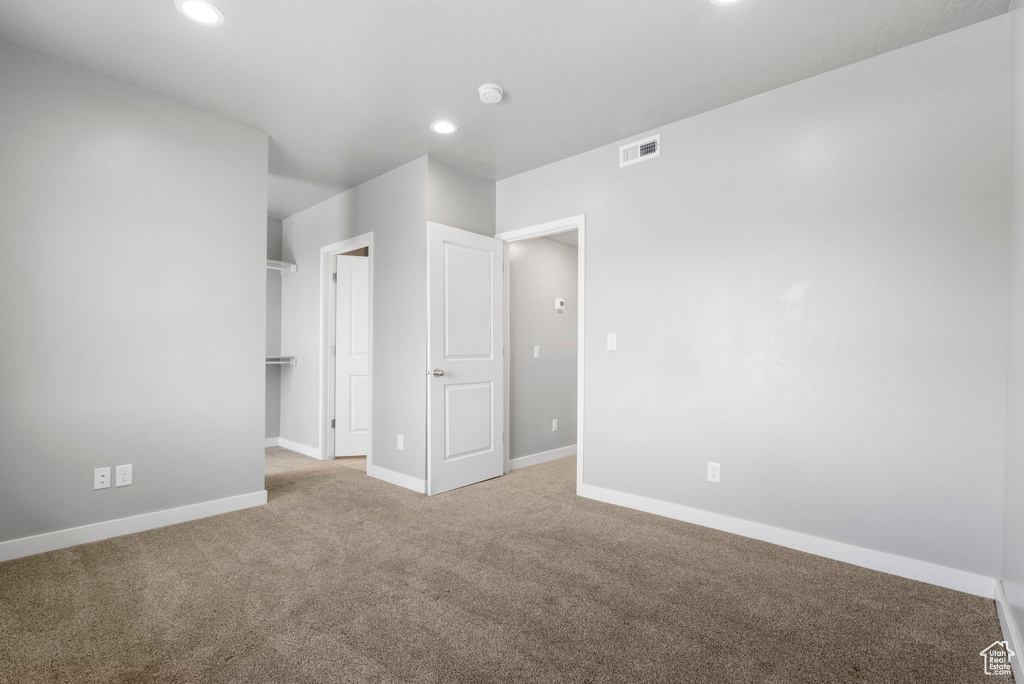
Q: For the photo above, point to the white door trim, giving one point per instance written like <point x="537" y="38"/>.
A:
<point x="578" y="223"/>
<point x="327" y="332"/>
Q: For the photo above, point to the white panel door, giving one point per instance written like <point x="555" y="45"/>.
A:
<point x="352" y="355"/>
<point x="465" y="396"/>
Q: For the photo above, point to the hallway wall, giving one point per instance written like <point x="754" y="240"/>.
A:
<point x="396" y="207"/>
<point x="545" y="388"/>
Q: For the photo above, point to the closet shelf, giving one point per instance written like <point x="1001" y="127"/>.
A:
<point x="280" y="360"/>
<point x="283" y="266"/>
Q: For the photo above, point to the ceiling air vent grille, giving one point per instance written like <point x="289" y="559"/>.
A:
<point x="640" y="150"/>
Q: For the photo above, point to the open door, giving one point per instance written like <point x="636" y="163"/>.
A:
<point x="465" y="370"/>
<point x="351" y="361"/>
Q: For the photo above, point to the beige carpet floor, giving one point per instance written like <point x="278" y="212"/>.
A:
<point x="343" y="578"/>
<point x="357" y="462"/>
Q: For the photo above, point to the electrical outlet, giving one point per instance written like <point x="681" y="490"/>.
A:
<point x="714" y="472"/>
<point x="554" y="425"/>
<point x="536" y="351"/>
<point x="101" y="478"/>
<point x="124" y="475"/>
<point x="401" y="442"/>
<point x="613" y="341"/>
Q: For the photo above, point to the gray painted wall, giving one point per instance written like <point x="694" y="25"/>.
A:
<point x="275" y="238"/>
<point x="273" y="402"/>
<point x="393" y="206"/>
<point x="1013" y="530"/>
<point x="810" y="287"/>
<point x="132" y="315"/>
<point x="459" y="199"/>
<point x="396" y="207"/>
<point x="541" y="389"/>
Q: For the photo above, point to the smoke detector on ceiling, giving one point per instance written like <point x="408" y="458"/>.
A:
<point x="490" y="93"/>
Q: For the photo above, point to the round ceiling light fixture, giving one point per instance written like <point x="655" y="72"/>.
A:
<point x="490" y="93"/>
<point x="443" y="127"/>
<point x="200" y="11"/>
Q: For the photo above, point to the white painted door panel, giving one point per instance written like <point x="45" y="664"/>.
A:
<point x="352" y="355"/>
<point x="465" y="411"/>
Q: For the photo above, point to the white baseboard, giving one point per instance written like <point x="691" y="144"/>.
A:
<point x="271" y="442"/>
<point x="51" y="541"/>
<point x="923" y="571"/>
<point x="1011" y="632"/>
<point x="534" y="459"/>
<point x="407" y="481"/>
<point x="303" y="449"/>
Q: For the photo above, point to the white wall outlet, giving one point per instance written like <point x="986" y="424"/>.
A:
<point x="101" y="478"/>
<point x="401" y="442"/>
<point x="613" y="342"/>
<point x="714" y="472"/>
<point x="123" y="473"/>
<point x="536" y="351"/>
<point x="554" y="425"/>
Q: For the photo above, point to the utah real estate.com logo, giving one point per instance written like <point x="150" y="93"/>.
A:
<point x="997" y="658"/>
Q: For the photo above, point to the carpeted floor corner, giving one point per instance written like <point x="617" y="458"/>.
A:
<point x="344" y="578"/>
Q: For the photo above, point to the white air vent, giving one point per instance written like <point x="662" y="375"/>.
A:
<point x="640" y="150"/>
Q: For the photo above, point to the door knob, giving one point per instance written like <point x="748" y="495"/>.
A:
<point x="437" y="373"/>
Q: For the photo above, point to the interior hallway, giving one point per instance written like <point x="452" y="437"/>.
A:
<point x="344" y="578"/>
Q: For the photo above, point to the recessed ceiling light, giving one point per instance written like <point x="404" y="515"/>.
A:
<point x="443" y="127"/>
<point x="200" y="11"/>
<point x="726" y="3"/>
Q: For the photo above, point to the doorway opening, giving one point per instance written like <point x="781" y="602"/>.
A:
<point x="346" y="356"/>
<point x="468" y="369"/>
<point x="544" y="350"/>
<point x="542" y="303"/>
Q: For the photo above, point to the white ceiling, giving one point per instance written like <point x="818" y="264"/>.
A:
<point x="346" y="88"/>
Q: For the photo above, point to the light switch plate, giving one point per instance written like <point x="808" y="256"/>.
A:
<point x="401" y="442"/>
<point x="123" y="475"/>
<point x="536" y="351"/>
<point x="613" y="341"/>
<point x="554" y="425"/>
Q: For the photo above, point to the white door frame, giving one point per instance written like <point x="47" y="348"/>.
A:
<point x="327" y="333"/>
<point x="577" y="223"/>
